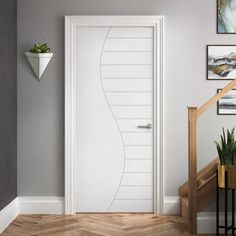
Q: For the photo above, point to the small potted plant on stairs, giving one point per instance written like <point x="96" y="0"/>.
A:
<point x="39" y="56"/>
<point x="227" y="155"/>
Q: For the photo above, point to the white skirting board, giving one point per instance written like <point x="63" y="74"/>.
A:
<point x="41" y="205"/>
<point x="171" y="205"/>
<point x="30" y="205"/>
<point x="8" y="214"/>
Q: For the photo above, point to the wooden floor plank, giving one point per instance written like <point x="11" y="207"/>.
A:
<point x="97" y="225"/>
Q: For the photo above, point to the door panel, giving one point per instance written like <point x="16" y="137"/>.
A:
<point x="132" y="112"/>
<point x="129" y="45"/>
<point x="128" y="85"/>
<point x="139" y="152"/>
<point x="132" y="58"/>
<point x="135" y="193"/>
<point x="127" y="71"/>
<point x="114" y="98"/>
<point x="136" y="139"/>
<point x="99" y="165"/>
<point x="131" y="32"/>
<point x="137" y="179"/>
<point x="139" y="166"/>
<point x="131" y="125"/>
<point x="114" y="164"/>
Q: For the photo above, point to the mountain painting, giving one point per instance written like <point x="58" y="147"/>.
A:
<point x="221" y="62"/>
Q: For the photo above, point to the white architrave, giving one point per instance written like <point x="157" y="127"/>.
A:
<point x="157" y="22"/>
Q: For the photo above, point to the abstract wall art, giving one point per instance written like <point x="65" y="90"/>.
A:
<point x="227" y="104"/>
<point x="226" y="16"/>
<point x="221" y="62"/>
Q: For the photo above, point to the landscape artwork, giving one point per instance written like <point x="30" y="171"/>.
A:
<point x="221" y="62"/>
<point x="227" y="104"/>
<point x="226" y="16"/>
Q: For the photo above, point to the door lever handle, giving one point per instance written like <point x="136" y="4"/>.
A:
<point x="148" y="126"/>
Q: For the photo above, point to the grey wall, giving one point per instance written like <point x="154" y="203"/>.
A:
<point x="8" y="175"/>
<point x="190" y="25"/>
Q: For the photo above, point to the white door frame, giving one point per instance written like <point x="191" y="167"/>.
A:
<point x="157" y="22"/>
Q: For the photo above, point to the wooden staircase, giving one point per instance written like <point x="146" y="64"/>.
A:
<point x="199" y="190"/>
<point x="206" y="187"/>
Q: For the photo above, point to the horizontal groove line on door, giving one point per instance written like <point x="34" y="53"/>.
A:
<point x="127" y="51"/>
<point x="107" y="91"/>
<point x="130" y="92"/>
<point x="128" y="186"/>
<point x="113" y="105"/>
<point x="145" y="145"/>
<point x="134" y="118"/>
<point x="110" y="37"/>
<point x="138" y="145"/>
<point x="139" y="159"/>
<point x="127" y="64"/>
<point x="138" y="199"/>
<point x="134" y="132"/>
<point x="131" y="78"/>
<point x="135" y="105"/>
<point x="138" y="172"/>
<point x="130" y="37"/>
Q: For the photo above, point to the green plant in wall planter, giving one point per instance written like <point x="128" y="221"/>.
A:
<point x="226" y="148"/>
<point x="40" y="48"/>
<point x="39" y="56"/>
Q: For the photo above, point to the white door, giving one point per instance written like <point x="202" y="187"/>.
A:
<point x="114" y="145"/>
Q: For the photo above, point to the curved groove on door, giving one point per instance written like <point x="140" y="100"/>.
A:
<point x="115" y="195"/>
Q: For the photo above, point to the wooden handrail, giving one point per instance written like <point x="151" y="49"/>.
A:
<point x="216" y="98"/>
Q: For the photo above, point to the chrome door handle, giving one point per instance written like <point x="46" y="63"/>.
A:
<point x="148" y="126"/>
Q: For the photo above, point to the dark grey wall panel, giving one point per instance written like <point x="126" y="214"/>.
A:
<point x="8" y="104"/>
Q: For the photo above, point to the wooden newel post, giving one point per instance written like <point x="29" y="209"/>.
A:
<point x="192" y="169"/>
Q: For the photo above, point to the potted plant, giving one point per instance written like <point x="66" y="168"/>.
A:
<point x="39" y="56"/>
<point x="227" y="155"/>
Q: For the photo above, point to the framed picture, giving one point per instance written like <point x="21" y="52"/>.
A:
<point x="226" y="20"/>
<point x="221" y="62"/>
<point x="227" y="104"/>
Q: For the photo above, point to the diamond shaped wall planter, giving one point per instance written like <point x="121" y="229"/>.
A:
<point x="39" y="62"/>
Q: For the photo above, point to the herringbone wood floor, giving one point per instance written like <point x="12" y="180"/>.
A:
<point x="96" y="225"/>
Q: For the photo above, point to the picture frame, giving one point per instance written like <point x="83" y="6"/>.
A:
<point x="221" y="62"/>
<point x="226" y="23"/>
<point x="227" y="104"/>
